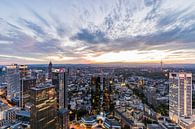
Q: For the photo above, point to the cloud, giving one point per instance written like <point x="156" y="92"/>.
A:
<point x="96" y="27"/>
<point x="34" y="27"/>
<point x="39" y="17"/>
<point x="21" y="58"/>
<point x="90" y="37"/>
<point x="155" y="27"/>
<point x="4" y="42"/>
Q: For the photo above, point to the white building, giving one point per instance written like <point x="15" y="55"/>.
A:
<point x="180" y="95"/>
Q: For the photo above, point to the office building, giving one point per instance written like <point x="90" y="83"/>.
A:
<point x="106" y="94"/>
<point x="23" y="116"/>
<point x="96" y="93"/>
<point x="26" y="85"/>
<point x="150" y="93"/>
<point x="59" y="80"/>
<point x="50" y="70"/>
<point x="43" y="113"/>
<point x="180" y="95"/>
<point x="39" y="75"/>
<point x="23" y="71"/>
<point x="13" y="81"/>
<point x="10" y="114"/>
<point x="100" y="94"/>
<point x="63" y="115"/>
<point x="2" y="75"/>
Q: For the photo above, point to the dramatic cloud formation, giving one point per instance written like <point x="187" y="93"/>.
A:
<point x="93" y="31"/>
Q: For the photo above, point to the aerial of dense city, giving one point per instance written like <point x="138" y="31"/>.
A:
<point x="97" y="64"/>
<point x="96" y="97"/>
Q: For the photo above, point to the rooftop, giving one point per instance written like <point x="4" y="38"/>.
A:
<point x="154" y="126"/>
<point x="43" y="86"/>
<point x="23" y="113"/>
<point x="188" y="120"/>
<point x="111" y="123"/>
<point x="63" y="111"/>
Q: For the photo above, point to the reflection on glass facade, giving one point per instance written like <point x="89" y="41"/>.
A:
<point x="59" y="80"/>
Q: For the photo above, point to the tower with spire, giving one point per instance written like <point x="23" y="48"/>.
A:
<point x="161" y="65"/>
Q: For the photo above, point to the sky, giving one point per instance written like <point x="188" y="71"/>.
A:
<point x="97" y="31"/>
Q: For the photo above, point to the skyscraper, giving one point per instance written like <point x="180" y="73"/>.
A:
<point x="26" y="85"/>
<point x="100" y="94"/>
<point x="96" y="93"/>
<point x="13" y="81"/>
<point x="59" y="80"/>
<point x="161" y="65"/>
<point x="43" y="113"/>
<point x="180" y="95"/>
<point x="23" y="71"/>
<point x="106" y="94"/>
<point x="50" y="70"/>
<point x="2" y="75"/>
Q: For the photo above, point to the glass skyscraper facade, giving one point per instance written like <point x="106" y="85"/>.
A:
<point x="13" y="81"/>
<point x="59" y="80"/>
<point x="44" y="105"/>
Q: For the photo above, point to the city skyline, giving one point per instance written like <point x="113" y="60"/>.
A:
<point x="141" y="31"/>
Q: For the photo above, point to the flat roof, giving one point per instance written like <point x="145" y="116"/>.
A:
<point x="43" y="86"/>
<point x="63" y="110"/>
<point x="23" y="113"/>
<point x="89" y="119"/>
<point x="188" y="120"/>
<point x="112" y="122"/>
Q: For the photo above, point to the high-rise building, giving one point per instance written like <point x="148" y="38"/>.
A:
<point x="23" y="70"/>
<point x="50" y="70"/>
<point x="2" y="75"/>
<point x="96" y="93"/>
<point x="161" y="65"/>
<point x="106" y="94"/>
<point x="43" y="113"/>
<point x="100" y="94"/>
<point x="26" y="85"/>
<point x="59" y="80"/>
<point x="180" y="95"/>
<point x="13" y="81"/>
<point x="151" y="95"/>
<point x="39" y="75"/>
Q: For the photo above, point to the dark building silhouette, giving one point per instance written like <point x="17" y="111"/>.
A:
<point x="101" y="88"/>
<point x="106" y="94"/>
<point x="96" y="93"/>
<point x="50" y="70"/>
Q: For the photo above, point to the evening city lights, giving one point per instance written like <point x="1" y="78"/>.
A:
<point x="97" y="64"/>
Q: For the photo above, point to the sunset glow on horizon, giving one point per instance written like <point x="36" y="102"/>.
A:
<point x="97" y="31"/>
